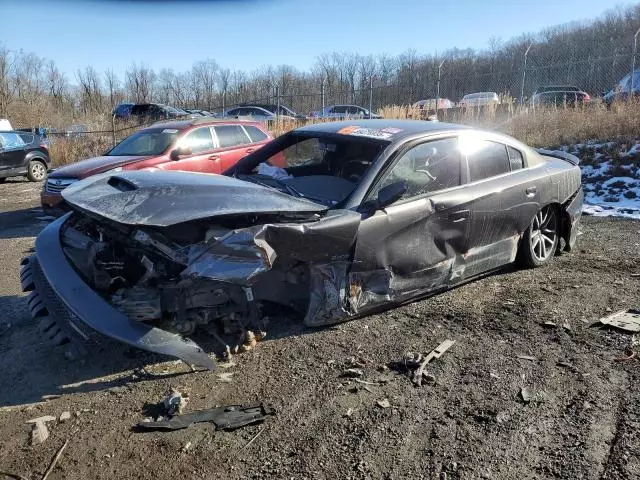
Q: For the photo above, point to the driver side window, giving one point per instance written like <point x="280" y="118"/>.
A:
<point x="427" y="168"/>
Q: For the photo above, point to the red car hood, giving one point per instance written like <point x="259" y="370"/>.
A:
<point x="93" y="166"/>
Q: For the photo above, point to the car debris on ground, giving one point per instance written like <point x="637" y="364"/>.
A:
<point x="627" y="320"/>
<point x="415" y="363"/>
<point x="228" y="417"/>
<point x="39" y="430"/>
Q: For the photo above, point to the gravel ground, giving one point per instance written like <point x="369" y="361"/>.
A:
<point x="468" y="424"/>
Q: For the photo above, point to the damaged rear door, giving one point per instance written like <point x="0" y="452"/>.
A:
<point x="410" y="247"/>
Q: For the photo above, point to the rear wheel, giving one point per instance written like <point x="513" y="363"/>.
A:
<point x="37" y="171"/>
<point x="540" y="241"/>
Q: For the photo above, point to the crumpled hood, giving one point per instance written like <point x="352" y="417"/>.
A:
<point x="158" y="198"/>
<point x="95" y="165"/>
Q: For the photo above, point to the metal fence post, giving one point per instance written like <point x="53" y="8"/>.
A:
<point x="322" y="96"/>
<point x="633" y="62"/>
<point x="370" y="95"/>
<point x="113" y="129"/>
<point x="524" y="74"/>
<point x="438" y="87"/>
<point x="278" y="102"/>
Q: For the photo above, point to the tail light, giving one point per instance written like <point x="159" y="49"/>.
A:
<point x="586" y="97"/>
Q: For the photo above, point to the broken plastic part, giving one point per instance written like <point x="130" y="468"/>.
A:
<point x="224" y="418"/>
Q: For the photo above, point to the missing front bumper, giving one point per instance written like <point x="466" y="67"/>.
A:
<point x="59" y="293"/>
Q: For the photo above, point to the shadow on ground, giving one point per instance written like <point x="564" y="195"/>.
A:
<point x="107" y="364"/>
<point x="27" y="222"/>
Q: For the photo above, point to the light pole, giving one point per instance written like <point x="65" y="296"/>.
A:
<point x="524" y="74"/>
<point x="438" y="85"/>
<point x="633" y="62"/>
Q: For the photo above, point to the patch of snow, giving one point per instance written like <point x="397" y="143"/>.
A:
<point x="610" y="211"/>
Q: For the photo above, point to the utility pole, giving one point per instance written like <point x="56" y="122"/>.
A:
<point x="370" y="95"/>
<point x="438" y="86"/>
<point x="524" y="74"/>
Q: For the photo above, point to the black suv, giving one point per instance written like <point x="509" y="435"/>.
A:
<point x="151" y="112"/>
<point x="23" y="154"/>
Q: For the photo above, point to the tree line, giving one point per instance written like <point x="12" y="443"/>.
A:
<point x="593" y="55"/>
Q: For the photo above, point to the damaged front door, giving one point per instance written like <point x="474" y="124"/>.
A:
<point x="410" y="247"/>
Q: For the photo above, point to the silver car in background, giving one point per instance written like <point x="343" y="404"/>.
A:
<point x="344" y="111"/>
<point x="479" y="99"/>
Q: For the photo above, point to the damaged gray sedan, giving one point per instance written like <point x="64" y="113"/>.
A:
<point x="327" y="223"/>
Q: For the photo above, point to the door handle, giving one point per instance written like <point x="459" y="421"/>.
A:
<point x="214" y="157"/>
<point x="250" y="150"/>
<point x="531" y="191"/>
<point x="460" y="216"/>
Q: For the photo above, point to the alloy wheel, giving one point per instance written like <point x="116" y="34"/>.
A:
<point x="543" y="234"/>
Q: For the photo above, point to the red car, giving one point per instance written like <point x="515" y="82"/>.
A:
<point x="198" y="145"/>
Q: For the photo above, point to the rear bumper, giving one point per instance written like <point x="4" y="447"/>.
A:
<point x="59" y="290"/>
<point x="574" y="212"/>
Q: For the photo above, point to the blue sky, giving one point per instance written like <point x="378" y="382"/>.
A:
<point x="247" y="34"/>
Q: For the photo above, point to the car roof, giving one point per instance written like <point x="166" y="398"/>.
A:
<point x="406" y="127"/>
<point x="182" y="124"/>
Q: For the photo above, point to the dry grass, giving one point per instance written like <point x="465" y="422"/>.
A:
<point x="560" y="126"/>
<point x="539" y="128"/>
<point x="69" y="150"/>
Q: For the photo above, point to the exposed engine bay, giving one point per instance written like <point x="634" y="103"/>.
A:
<point x="188" y="276"/>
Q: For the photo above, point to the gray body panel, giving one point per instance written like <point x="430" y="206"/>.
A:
<point x="357" y="260"/>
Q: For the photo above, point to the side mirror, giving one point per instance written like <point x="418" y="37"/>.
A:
<point x="391" y="193"/>
<point x="177" y="152"/>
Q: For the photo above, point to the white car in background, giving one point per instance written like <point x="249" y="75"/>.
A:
<point x="430" y="104"/>
<point x="344" y="111"/>
<point x="479" y="99"/>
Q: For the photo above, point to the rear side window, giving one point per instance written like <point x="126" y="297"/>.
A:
<point x="515" y="158"/>
<point x="255" y="134"/>
<point x="198" y="140"/>
<point x="488" y="160"/>
<point x="339" y="109"/>
<point x="11" y="140"/>
<point x="231" y="135"/>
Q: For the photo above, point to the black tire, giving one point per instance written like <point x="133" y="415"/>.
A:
<point x="2" y="180"/>
<point x="540" y="241"/>
<point x="37" y="170"/>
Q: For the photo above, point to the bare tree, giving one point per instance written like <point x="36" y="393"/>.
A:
<point x="140" y="83"/>
<point x="6" y="93"/>
<point x="90" y="90"/>
<point x="112" y="84"/>
<point x="224" y="79"/>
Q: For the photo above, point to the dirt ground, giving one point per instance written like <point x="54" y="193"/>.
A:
<point x="468" y="424"/>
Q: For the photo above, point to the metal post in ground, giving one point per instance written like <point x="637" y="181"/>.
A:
<point x="438" y="87"/>
<point x="633" y="62"/>
<point x="322" y="96"/>
<point x="524" y="74"/>
<point x="370" y="95"/>
<point x="113" y="129"/>
<point x="277" y="102"/>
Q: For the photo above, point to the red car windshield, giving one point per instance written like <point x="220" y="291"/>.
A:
<point x="151" y="141"/>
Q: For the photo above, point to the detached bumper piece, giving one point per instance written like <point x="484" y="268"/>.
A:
<point x="65" y="306"/>
<point x="224" y="418"/>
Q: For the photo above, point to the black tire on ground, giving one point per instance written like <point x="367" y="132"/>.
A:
<point x="540" y="241"/>
<point x="37" y="170"/>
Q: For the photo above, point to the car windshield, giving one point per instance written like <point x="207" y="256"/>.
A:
<point x="324" y="168"/>
<point x="152" y="141"/>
